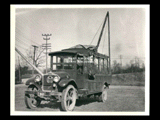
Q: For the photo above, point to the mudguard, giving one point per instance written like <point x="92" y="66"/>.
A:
<point x="65" y="82"/>
<point x="32" y="82"/>
<point x="29" y="81"/>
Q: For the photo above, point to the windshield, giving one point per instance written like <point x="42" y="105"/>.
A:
<point x="63" y="62"/>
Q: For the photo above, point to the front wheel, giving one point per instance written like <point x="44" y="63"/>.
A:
<point x="30" y="99"/>
<point x="68" y="98"/>
<point x="103" y="95"/>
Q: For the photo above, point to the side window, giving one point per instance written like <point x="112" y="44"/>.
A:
<point x="80" y="59"/>
<point x="86" y="60"/>
<point x="96" y="64"/>
<point x="67" y="59"/>
<point x="59" y="59"/>
<point x="54" y="59"/>
<point x="74" y="59"/>
<point x="105" y="65"/>
<point x="54" y="67"/>
<point x="90" y="59"/>
<point x="100" y="64"/>
<point x="63" y="62"/>
<point x="80" y="64"/>
<point x="88" y="64"/>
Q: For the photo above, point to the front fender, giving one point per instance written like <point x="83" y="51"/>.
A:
<point x="65" y="82"/>
<point x="36" y="85"/>
<point x="31" y="82"/>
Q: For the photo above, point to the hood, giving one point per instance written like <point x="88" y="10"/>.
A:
<point x="61" y="74"/>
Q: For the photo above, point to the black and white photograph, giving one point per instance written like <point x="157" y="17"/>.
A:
<point x="79" y="60"/>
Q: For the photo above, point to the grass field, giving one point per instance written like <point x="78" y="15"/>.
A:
<point x="129" y="79"/>
<point x="119" y="98"/>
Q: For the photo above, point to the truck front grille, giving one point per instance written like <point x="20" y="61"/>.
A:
<point x="48" y="80"/>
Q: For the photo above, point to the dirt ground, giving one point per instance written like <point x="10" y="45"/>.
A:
<point x="120" y="98"/>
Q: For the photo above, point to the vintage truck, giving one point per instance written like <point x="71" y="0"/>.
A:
<point x="76" y="72"/>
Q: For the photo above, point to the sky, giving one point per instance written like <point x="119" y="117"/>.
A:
<point x="72" y="26"/>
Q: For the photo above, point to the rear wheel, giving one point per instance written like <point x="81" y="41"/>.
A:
<point x="103" y="96"/>
<point x="68" y="98"/>
<point x="30" y="99"/>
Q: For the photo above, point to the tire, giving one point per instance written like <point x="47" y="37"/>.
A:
<point x="30" y="100"/>
<point x="103" y="96"/>
<point x="68" y="98"/>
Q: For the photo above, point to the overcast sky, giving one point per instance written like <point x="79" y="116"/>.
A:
<point x="72" y="26"/>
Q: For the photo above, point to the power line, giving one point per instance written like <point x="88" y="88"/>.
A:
<point x="22" y="42"/>
<point x="96" y="32"/>
<point x="31" y="40"/>
<point x="20" y="47"/>
<point x="120" y="57"/>
<point x="28" y="38"/>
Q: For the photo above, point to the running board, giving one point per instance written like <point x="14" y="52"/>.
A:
<point x="84" y="92"/>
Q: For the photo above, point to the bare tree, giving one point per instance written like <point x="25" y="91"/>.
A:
<point x="116" y="67"/>
<point x="39" y="56"/>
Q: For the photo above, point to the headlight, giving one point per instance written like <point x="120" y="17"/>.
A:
<point x="38" y="78"/>
<point x="56" y="78"/>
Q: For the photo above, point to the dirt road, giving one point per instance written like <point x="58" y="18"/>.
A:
<point x="120" y="98"/>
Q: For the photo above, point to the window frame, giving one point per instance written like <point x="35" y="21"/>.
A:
<point x="56" y="63"/>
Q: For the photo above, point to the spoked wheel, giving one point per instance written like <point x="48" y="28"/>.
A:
<point x="30" y="99"/>
<point x="68" y="98"/>
<point x="103" y="95"/>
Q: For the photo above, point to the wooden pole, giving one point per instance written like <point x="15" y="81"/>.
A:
<point x="107" y="15"/>
<point x="46" y="46"/>
<point x="109" y="45"/>
<point x="19" y="69"/>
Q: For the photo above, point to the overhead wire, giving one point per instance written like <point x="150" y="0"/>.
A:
<point x="20" y="47"/>
<point x="22" y="42"/>
<point x="32" y="21"/>
<point x="29" y="39"/>
<point x="96" y="32"/>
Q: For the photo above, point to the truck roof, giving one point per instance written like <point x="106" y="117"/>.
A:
<point x="82" y="50"/>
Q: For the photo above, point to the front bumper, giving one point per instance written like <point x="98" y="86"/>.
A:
<point x="45" y="95"/>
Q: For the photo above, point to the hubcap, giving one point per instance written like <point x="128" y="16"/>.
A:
<point x="70" y="99"/>
<point x="33" y="101"/>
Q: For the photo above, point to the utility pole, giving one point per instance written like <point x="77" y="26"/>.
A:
<point x="46" y="46"/>
<point x="34" y="57"/>
<point x="136" y="63"/>
<point x="121" y="62"/>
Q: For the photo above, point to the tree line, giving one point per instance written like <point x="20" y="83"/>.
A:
<point x="133" y="67"/>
